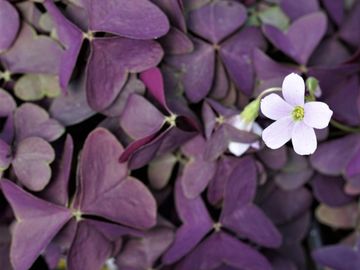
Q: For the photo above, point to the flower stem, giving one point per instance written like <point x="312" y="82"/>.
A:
<point x="343" y="127"/>
<point x="268" y="91"/>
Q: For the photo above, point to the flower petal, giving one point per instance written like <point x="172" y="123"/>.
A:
<point x="238" y="148"/>
<point x="274" y="107"/>
<point x="293" y="89"/>
<point x="278" y="133"/>
<point x="303" y="139"/>
<point x="317" y="114"/>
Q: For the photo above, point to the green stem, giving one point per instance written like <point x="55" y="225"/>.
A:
<point x="268" y="91"/>
<point x="343" y="127"/>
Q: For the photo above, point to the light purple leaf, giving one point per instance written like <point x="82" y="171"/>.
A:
<point x="7" y="103"/>
<point x="9" y="24"/>
<point x="132" y="86"/>
<point x="31" y="162"/>
<point x="72" y="108"/>
<point x="32" y="120"/>
<point x="89" y="249"/>
<point x="27" y="53"/>
<point x="176" y="42"/>
<point x="141" y="118"/>
<point x="71" y="38"/>
<point x="37" y="223"/>
<point x="57" y="190"/>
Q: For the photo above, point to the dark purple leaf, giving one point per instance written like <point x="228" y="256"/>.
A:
<point x="332" y="157"/>
<point x="196" y="224"/>
<point x="297" y="9"/>
<point x="330" y="190"/>
<point x="220" y="248"/>
<point x="301" y="38"/>
<point x="196" y="70"/>
<point x="105" y="188"/>
<point x="237" y="55"/>
<point x="110" y="62"/>
<point x="217" y="20"/>
<point x="138" y="19"/>
<point x="339" y="257"/>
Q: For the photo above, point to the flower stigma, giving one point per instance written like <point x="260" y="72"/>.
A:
<point x="171" y="120"/>
<point x="77" y="215"/>
<point x="298" y="113"/>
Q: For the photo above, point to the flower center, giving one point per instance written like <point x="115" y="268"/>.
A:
<point x="298" y="113"/>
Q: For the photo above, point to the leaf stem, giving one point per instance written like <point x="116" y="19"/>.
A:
<point x="268" y="91"/>
<point x="343" y="127"/>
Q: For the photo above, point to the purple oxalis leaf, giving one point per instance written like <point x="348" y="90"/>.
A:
<point x="9" y="24"/>
<point x="220" y="248"/>
<point x="340" y="257"/>
<point x="104" y="182"/>
<point x="196" y="224"/>
<point x="72" y="39"/>
<point x="196" y="70"/>
<point x="239" y="214"/>
<point x="296" y="9"/>
<point x="41" y="218"/>
<point x="236" y="53"/>
<point x="88" y="243"/>
<point x="31" y="162"/>
<point x="57" y="190"/>
<point x="104" y="71"/>
<point x="197" y="172"/>
<point x="217" y="20"/>
<point x="140" y="118"/>
<point x="142" y="253"/>
<point x="7" y="103"/>
<point x="301" y="39"/>
<point x="32" y="120"/>
<point x="27" y="53"/>
<point x="138" y="19"/>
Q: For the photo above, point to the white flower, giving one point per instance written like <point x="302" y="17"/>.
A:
<point x="295" y="119"/>
<point x="238" y="122"/>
